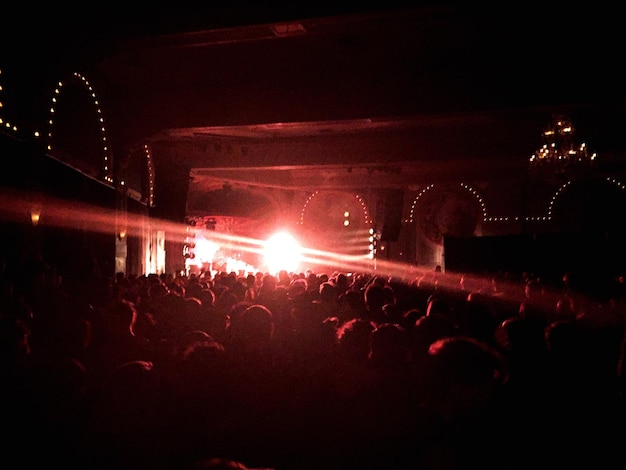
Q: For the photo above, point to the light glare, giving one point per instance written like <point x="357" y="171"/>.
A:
<point x="282" y="251"/>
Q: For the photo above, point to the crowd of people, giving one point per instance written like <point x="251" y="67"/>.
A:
<point x="309" y="370"/>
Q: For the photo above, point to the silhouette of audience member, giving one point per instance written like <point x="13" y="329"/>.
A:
<point x="354" y="339"/>
<point x="266" y="385"/>
<point x="440" y="305"/>
<point x="465" y="376"/>
<point x="427" y="330"/>
<point x="410" y="317"/>
<point x="120" y="334"/>
<point x="252" y="332"/>
<point x="351" y="371"/>
<point x="376" y="296"/>
<point x="522" y="341"/>
<point x="267" y="292"/>
<point x="342" y="283"/>
<point x="250" y="293"/>
<point x="466" y="391"/>
<point x="389" y="347"/>
<point x="478" y="319"/>
<point x="59" y="405"/>
<point x="15" y="348"/>
<point x="201" y="382"/>
<point x="128" y="424"/>
<point x="566" y="354"/>
<point x="225" y="301"/>
<point x="352" y="305"/>
<point x="537" y="302"/>
<point x="329" y="298"/>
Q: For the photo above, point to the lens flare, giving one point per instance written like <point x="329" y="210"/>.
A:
<point x="282" y="251"/>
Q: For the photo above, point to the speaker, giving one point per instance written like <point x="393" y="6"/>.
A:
<point x="393" y="202"/>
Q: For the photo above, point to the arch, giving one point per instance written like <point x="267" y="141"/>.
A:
<point x="136" y="174"/>
<point x="469" y="188"/>
<point x="337" y="224"/>
<point x="416" y="200"/>
<point x="149" y="196"/>
<point x="554" y="198"/>
<point x="362" y="211"/>
<point x="77" y="134"/>
<point x="588" y="205"/>
<point x="447" y="210"/>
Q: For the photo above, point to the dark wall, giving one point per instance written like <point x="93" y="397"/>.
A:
<point x="392" y="207"/>
<point x="595" y="256"/>
<point x="171" y="187"/>
<point x="76" y="248"/>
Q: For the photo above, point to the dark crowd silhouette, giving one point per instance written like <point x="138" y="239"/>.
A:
<point x="309" y="370"/>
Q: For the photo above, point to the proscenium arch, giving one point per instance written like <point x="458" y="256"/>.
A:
<point x="255" y="212"/>
<point x="106" y="170"/>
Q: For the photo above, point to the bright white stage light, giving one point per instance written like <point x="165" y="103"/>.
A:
<point x="282" y="251"/>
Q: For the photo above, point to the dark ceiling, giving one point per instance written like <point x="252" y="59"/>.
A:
<point x="217" y="89"/>
<point x="207" y="65"/>
<point x="395" y="64"/>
